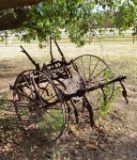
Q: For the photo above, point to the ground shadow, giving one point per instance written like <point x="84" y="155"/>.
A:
<point x="78" y="142"/>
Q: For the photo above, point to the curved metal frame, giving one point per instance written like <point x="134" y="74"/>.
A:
<point x="90" y="81"/>
<point x="59" y="75"/>
<point x="27" y="86"/>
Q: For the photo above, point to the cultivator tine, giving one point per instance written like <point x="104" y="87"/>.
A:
<point x="124" y="92"/>
<point x="104" y="96"/>
<point x="90" y="110"/>
<point x="75" y="111"/>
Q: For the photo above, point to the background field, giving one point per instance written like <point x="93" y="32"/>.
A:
<point x="117" y="137"/>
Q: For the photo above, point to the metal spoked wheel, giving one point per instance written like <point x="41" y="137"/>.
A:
<point x="39" y="106"/>
<point x="94" y="71"/>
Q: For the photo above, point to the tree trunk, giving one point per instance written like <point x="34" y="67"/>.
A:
<point x="11" y="21"/>
<point x="6" y="4"/>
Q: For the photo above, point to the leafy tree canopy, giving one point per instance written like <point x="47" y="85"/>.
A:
<point x="75" y="17"/>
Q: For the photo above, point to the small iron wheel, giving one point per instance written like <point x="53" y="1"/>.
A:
<point x="94" y="71"/>
<point x="39" y="106"/>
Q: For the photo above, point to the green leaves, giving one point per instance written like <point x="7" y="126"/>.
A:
<point x="135" y="1"/>
<point x="126" y="16"/>
<point x="55" y="15"/>
<point x="78" y="17"/>
<point x="105" y="105"/>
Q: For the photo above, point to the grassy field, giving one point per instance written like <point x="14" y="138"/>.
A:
<point x="115" y="138"/>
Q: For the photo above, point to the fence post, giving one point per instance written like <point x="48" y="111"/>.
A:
<point x="5" y="38"/>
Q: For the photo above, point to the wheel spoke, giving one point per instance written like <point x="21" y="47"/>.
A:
<point x="93" y="70"/>
<point x="36" y="91"/>
<point x="99" y="74"/>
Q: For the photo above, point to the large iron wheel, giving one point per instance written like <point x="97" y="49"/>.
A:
<point x="94" y="71"/>
<point x="39" y="105"/>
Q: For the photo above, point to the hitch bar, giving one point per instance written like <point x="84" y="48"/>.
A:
<point x="81" y="92"/>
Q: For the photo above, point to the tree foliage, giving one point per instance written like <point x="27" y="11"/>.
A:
<point x="126" y="15"/>
<point x="73" y="17"/>
<point x="49" y="17"/>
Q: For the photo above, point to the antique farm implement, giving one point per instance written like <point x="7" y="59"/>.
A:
<point x="45" y="97"/>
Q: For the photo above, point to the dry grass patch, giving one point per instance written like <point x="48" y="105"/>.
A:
<point x="115" y="137"/>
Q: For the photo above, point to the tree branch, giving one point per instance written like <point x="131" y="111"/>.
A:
<point x="11" y="21"/>
<point x="38" y="29"/>
<point x="7" y="4"/>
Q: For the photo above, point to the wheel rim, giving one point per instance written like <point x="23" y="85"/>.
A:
<point x="39" y="106"/>
<point x="94" y="71"/>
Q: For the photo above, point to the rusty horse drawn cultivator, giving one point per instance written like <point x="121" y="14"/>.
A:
<point x="45" y="97"/>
